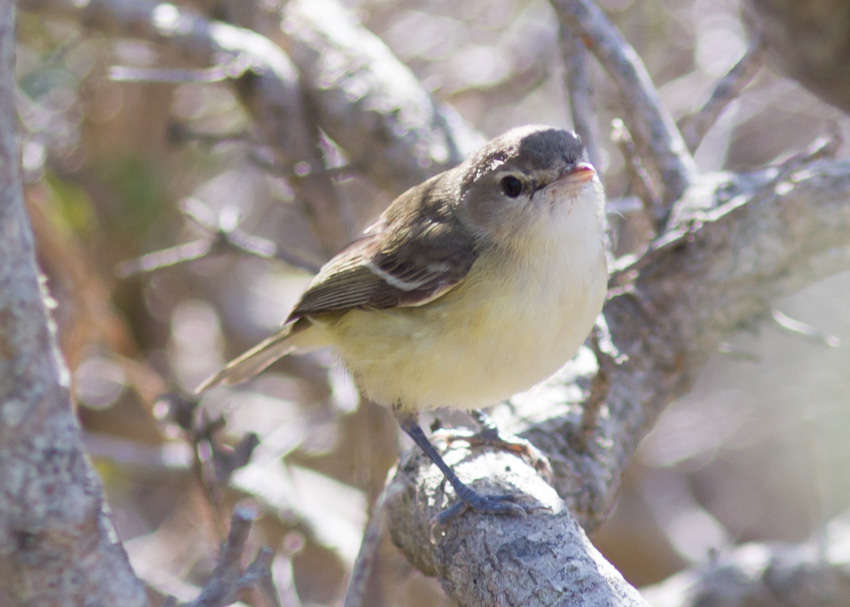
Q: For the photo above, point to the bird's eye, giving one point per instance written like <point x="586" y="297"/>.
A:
<point x="511" y="186"/>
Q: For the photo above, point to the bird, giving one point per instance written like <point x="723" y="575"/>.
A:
<point x="471" y="287"/>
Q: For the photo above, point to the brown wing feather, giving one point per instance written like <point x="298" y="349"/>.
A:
<point x="344" y="282"/>
<point x="414" y="254"/>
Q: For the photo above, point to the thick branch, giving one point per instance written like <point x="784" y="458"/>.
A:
<point x="58" y="545"/>
<point x="541" y="561"/>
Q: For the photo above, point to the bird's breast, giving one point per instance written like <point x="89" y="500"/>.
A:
<point x="510" y="324"/>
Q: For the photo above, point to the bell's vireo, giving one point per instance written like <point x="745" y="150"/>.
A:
<point x="472" y="286"/>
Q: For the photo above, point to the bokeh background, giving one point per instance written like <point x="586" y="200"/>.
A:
<point x="756" y="452"/>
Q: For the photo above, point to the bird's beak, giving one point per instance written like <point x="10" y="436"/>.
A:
<point x="578" y="175"/>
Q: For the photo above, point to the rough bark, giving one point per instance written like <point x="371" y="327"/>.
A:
<point x="501" y="561"/>
<point x="58" y="545"/>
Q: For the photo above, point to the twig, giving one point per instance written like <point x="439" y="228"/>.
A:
<point x="224" y="234"/>
<point x="646" y="117"/>
<point x="695" y="126"/>
<point x="281" y="586"/>
<point x="217" y="73"/>
<point x="269" y="88"/>
<point x="228" y="578"/>
<point x="212" y="462"/>
<point x="303" y="170"/>
<point x="798" y="327"/>
<point x="368" y="548"/>
<point x="169" y="457"/>
<point x="607" y="357"/>
<point x="643" y="185"/>
<point x="580" y="90"/>
<point x="179" y="133"/>
<point x="165" y="258"/>
<point x="820" y="148"/>
<point x="737" y="352"/>
<point x="226" y="227"/>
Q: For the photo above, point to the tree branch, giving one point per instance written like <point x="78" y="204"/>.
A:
<point x="543" y="560"/>
<point x="727" y="89"/>
<point x="59" y="544"/>
<point x="761" y="575"/>
<point x="368" y="101"/>
<point x="229" y="579"/>
<point x="265" y="82"/>
<point x="646" y="117"/>
<point x="580" y="90"/>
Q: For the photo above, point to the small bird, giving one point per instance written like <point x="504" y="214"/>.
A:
<point x="472" y="286"/>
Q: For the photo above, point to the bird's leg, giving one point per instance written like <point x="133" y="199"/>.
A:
<point x="469" y="498"/>
<point x="490" y="436"/>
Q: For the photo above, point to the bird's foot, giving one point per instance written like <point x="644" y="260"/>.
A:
<point x="470" y="500"/>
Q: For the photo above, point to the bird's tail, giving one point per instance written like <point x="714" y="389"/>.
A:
<point x="254" y="360"/>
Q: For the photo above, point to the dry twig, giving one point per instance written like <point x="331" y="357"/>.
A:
<point x="646" y="117"/>
<point x="579" y="88"/>
<point x="229" y="579"/>
<point x="642" y="182"/>
<point x="224" y="235"/>
<point x="728" y="88"/>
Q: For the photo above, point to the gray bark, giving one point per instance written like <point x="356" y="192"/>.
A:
<point x="58" y="545"/>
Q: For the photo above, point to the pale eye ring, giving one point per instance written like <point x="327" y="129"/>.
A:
<point x="511" y="186"/>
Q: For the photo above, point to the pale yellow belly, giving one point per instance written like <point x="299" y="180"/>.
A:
<point x="477" y="345"/>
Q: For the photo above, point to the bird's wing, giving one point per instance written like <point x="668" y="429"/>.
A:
<point x="416" y="252"/>
<point x="413" y="255"/>
<point x="375" y="272"/>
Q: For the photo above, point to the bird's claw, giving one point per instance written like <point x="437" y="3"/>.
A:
<point x="505" y="504"/>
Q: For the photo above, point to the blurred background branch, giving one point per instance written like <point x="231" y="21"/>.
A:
<point x="757" y="575"/>
<point x="695" y="126"/>
<point x="646" y="116"/>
